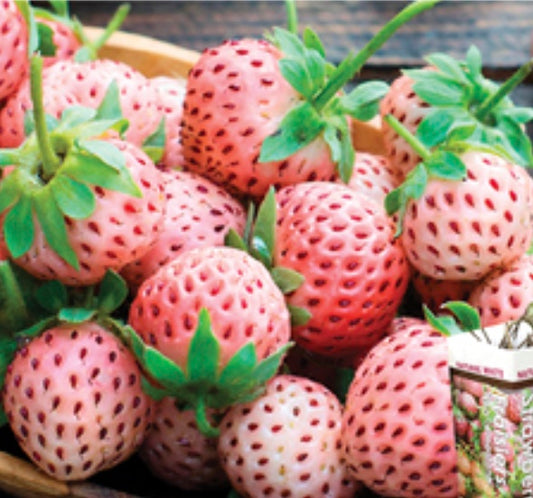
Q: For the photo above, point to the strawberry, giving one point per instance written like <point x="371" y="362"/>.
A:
<point x="355" y="273"/>
<point x="59" y="384"/>
<point x="259" y="113"/>
<point x="198" y="213"/>
<point x="68" y="83"/>
<point x="86" y="204"/>
<point x="451" y="100"/>
<point x="211" y="313"/>
<point x="505" y="294"/>
<point x="13" y="48"/>
<point x="171" y="92"/>
<point x="286" y="442"/>
<point x="397" y="428"/>
<point x="178" y="453"/>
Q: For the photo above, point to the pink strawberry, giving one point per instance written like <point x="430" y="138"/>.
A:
<point x="119" y="230"/>
<point x="397" y="430"/>
<point x="402" y="102"/>
<point x="13" y="48"/>
<point x="243" y="302"/>
<point x="461" y="230"/>
<point x="373" y="176"/>
<point x="505" y="293"/>
<point x="236" y="97"/>
<point x="74" y="400"/>
<point x="66" y="83"/>
<point x="286" y="442"/>
<point x="198" y="213"/>
<point x="355" y="273"/>
<point x="178" y="453"/>
<point x="171" y="92"/>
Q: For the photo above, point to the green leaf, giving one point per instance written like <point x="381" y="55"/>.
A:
<point x="109" y="108"/>
<point x="47" y="47"/>
<point x="362" y="103"/>
<point x="296" y="73"/>
<point x="449" y="66"/>
<point x="90" y="169"/>
<point x="393" y="201"/>
<point x="337" y="136"/>
<point x="10" y="190"/>
<point x="52" y="296"/>
<point x="204" y="351"/>
<point x="162" y="369"/>
<point x="268" y="367"/>
<point x="74" y="199"/>
<point x="435" y="322"/>
<point x="520" y="115"/>
<point x="264" y="230"/>
<point x="233" y="239"/>
<point x="287" y="279"/>
<point x="53" y="226"/>
<point x="76" y="315"/>
<point x="437" y="91"/>
<point x="467" y="315"/>
<point x="105" y="151"/>
<point x="312" y="41"/>
<point x="288" y="43"/>
<point x="299" y="127"/>
<point x="299" y="316"/>
<point x="434" y="128"/>
<point x="474" y="61"/>
<point x="38" y="327"/>
<point x="112" y="292"/>
<point x="445" y="165"/>
<point x="154" y="145"/>
<point x="18" y="227"/>
<point x="75" y="115"/>
<point x="237" y="372"/>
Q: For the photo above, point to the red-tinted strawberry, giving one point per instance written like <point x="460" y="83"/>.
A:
<point x="178" y="453"/>
<point x="286" y="443"/>
<point x="67" y="83"/>
<point x="461" y="230"/>
<point x="171" y="92"/>
<point x="397" y="425"/>
<point x="355" y="273"/>
<point x="506" y="293"/>
<point x="74" y="401"/>
<point x="198" y="214"/>
<point x="13" y="48"/>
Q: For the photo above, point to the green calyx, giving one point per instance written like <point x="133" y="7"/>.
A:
<point x="466" y="106"/>
<point x="42" y="34"/>
<point x="259" y="240"/>
<point x="324" y="105"/>
<point x="203" y="385"/>
<point x="461" y="318"/>
<point x="55" y="168"/>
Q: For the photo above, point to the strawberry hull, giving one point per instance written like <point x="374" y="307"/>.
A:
<point x="492" y="394"/>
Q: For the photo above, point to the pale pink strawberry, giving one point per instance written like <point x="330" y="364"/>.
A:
<point x="398" y="433"/>
<point x="505" y="293"/>
<point x="120" y="230"/>
<point x="178" y="453"/>
<point x="469" y="385"/>
<point x="74" y="401"/>
<point x="171" y="92"/>
<point x="435" y="292"/>
<point x="402" y="102"/>
<point x="64" y="38"/>
<point x="198" y="214"/>
<point x="286" y="443"/>
<point x="236" y="97"/>
<point x="85" y="83"/>
<point x="468" y="403"/>
<point x="514" y="407"/>
<point x="355" y="271"/>
<point x="243" y="302"/>
<point x="373" y="176"/>
<point x="461" y="230"/>
<point x="13" y="48"/>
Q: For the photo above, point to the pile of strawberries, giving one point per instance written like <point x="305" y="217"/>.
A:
<point x="205" y="271"/>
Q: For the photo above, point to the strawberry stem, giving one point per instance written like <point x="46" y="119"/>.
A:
<point x="49" y="159"/>
<point x="353" y="63"/>
<point x="505" y="89"/>
<point x="203" y="423"/>
<point x="292" y="16"/>
<point x="413" y="142"/>
<point x="113" y="25"/>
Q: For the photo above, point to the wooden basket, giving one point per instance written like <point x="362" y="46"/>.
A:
<point x="152" y="57"/>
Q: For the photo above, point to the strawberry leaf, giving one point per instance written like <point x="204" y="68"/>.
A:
<point x="112" y="292"/>
<point x="337" y="136"/>
<point x="47" y="47"/>
<point x="362" y="103"/>
<point x="448" y="66"/>
<point x="52" y="296"/>
<point x="312" y="41"/>
<point x="474" y="62"/>
<point x="299" y="127"/>
<point x="264" y="230"/>
<point x="446" y="165"/>
<point x="154" y="145"/>
<point x="287" y="279"/>
<point x="74" y="199"/>
<point x="204" y="351"/>
<point x="299" y="316"/>
<point x="467" y="315"/>
<point x="18" y="227"/>
<point x="75" y="315"/>
<point x="233" y="239"/>
<point x="237" y="373"/>
<point x="444" y="324"/>
<point x="9" y="190"/>
<point x="435" y="126"/>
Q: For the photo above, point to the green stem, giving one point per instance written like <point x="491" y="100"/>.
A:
<point x="292" y="16"/>
<point x="113" y="25"/>
<point x="353" y="63"/>
<point x="204" y="425"/>
<point x="505" y="89"/>
<point x="413" y="142"/>
<point x="49" y="159"/>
